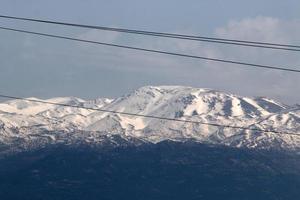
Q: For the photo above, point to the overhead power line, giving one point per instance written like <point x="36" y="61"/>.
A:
<point x="154" y="51"/>
<point x="247" y="43"/>
<point x="150" y="116"/>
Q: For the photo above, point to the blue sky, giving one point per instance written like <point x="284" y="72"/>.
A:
<point x="34" y="66"/>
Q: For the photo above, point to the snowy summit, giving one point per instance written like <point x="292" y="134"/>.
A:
<point x="30" y="124"/>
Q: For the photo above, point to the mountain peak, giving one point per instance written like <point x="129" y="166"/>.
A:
<point x="36" y="121"/>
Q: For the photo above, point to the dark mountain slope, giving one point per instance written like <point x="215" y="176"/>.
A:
<point x="167" y="170"/>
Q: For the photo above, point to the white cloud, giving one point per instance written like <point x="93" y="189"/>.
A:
<point x="260" y="29"/>
<point x="233" y="78"/>
<point x="266" y="82"/>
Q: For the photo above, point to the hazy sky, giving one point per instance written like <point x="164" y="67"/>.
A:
<point x="41" y="67"/>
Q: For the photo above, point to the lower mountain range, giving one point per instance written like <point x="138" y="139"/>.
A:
<point x="50" y="151"/>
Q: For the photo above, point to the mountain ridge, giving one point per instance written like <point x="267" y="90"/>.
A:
<point x="32" y="121"/>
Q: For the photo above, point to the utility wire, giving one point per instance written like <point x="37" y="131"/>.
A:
<point x="277" y="46"/>
<point x="150" y="116"/>
<point x="154" y="51"/>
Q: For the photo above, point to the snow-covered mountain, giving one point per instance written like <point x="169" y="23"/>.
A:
<point x="31" y="124"/>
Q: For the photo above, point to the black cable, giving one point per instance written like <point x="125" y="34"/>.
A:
<point x="277" y="46"/>
<point x="148" y="116"/>
<point x="154" y="51"/>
